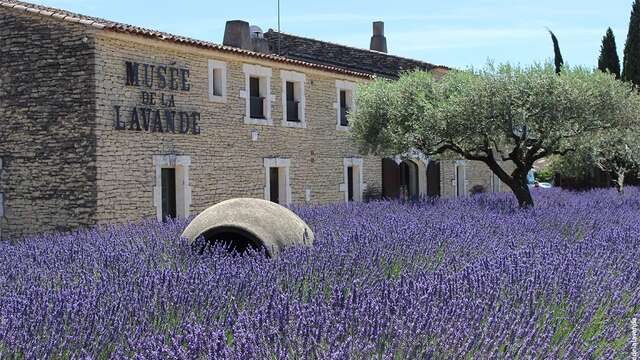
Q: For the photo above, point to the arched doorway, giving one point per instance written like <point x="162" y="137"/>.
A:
<point x="403" y="179"/>
<point x="409" y="180"/>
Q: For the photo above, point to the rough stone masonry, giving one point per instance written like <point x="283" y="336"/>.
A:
<point x="104" y="123"/>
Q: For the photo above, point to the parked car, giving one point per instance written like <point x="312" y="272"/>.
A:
<point x="533" y="183"/>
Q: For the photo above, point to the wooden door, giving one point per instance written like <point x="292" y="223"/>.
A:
<point x="274" y="185"/>
<point x="168" y="183"/>
<point x="350" y="183"/>
<point x="390" y="179"/>
<point x="433" y="179"/>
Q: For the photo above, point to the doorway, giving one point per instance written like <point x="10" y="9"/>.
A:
<point x="350" y="183"/>
<point x="274" y="185"/>
<point x="461" y="179"/>
<point x="409" y="182"/>
<point x="433" y="179"/>
<point x="168" y="183"/>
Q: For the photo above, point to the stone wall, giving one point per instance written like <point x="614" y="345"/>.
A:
<point x="225" y="162"/>
<point x="65" y="164"/>
<point x="477" y="174"/>
<point x="47" y="142"/>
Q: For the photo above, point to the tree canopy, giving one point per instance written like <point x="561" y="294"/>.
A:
<point x="504" y="116"/>
<point x="557" y="54"/>
<point x="609" y="60"/>
<point x="616" y="152"/>
<point x="631" y="71"/>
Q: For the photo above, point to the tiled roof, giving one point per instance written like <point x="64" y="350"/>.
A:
<point x="130" y="29"/>
<point x="355" y="59"/>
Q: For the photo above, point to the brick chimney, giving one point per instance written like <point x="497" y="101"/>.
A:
<point x="378" y="41"/>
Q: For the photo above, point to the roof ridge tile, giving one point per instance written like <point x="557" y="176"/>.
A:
<point x="356" y="48"/>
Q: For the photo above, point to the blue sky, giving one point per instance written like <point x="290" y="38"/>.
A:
<point x="457" y="33"/>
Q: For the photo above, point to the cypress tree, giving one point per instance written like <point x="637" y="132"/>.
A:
<point x="609" y="60"/>
<point x="631" y="71"/>
<point x="556" y="52"/>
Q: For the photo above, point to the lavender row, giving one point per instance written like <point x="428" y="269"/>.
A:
<point x="475" y="278"/>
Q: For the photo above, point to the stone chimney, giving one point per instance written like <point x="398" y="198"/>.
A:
<point x="258" y="42"/>
<point x="378" y="41"/>
<point x="237" y="34"/>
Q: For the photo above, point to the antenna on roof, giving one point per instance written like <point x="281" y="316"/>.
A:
<point x="279" y="36"/>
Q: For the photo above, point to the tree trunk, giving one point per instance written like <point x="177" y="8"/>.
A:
<point x="620" y="182"/>
<point x="522" y="193"/>
<point x="517" y="182"/>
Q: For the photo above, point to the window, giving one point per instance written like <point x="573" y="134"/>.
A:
<point x="352" y="186"/>
<point x="344" y="104"/>
<point x="256" y="104"/>
<point x="293" y="99"/>
<point x="257" y="94"/>
<point x="217" y="81"/>
<point x="172" y="193"/>
<point x="292" y="103"/>
<point x="277" y="184"/>
<point x="344" y="108"/>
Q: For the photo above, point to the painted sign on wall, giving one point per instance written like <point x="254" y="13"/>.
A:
<point x="157" y="111"/>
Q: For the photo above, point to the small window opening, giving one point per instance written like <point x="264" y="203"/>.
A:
<point x="217" y="82"/>
<point x="256" y="105"/>
<point x="292" y="103"/>
<point x="344" y="108"/>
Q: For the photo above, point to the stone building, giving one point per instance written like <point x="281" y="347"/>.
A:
<point x="104" y="122"/>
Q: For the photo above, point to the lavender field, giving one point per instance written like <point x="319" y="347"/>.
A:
<point x="447" y="279"/>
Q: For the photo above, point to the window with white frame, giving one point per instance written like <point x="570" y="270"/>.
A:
<point x="293" y="99"/>
<point x="353" y="185"/>
<point x="171" y="193"/>
<point x="345" y="92"/>
<point x="460" y="182"/>
<point x="277" y="183"/>
<point x="217" y="81"/>
<point x="257" y="95"/>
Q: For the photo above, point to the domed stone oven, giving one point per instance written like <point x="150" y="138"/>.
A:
<point x="242" y="224"/>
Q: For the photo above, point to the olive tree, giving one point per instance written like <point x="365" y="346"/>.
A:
<point x="497" y="115"/>
<point x="615" y="152"/>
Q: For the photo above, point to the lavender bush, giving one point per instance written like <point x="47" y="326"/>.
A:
<point x="471" y="278"/>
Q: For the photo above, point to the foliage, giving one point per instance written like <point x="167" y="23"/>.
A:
<point x="576" y="164"/>
<point x="501" y="116"/>
<point x="557" y="54"/>
<point x="631" y="71"/>
<point x="615" y="152"/>
<point x="545" y="175"/>
<point x="609" y="60"/>
<point x="432" y="279"/>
